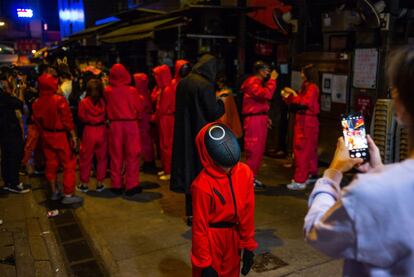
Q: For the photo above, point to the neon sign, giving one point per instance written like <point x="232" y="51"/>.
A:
<point x="27" y="13"/>
<point x="72" y="15"/>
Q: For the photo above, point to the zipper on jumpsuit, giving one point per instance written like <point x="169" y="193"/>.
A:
<point x="233" y="196"/>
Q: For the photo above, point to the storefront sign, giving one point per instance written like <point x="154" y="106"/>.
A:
<point x="26" y="13"/>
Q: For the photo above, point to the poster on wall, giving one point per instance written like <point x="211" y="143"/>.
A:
<point x="339" y="88"/>
<point x="296" y="82"/>
<point x="326" y="102"/>
<point x="365" y="68"/>
<point x="326" y="83"/>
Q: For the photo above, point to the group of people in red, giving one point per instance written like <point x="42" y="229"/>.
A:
<point x="199" y="151"/>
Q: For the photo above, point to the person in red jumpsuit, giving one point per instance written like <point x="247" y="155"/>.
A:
<point x="52" y="115"/>
<point x="181" y="70"/>
<point x="147" y="143"/>
<point x="306" y="130"/>
<point x="223" y="206"/>
<point x="92" y="113"/>
<point x="257" y="91"/>
<point x="165" y="115"/>
<point x="123" y="110"/>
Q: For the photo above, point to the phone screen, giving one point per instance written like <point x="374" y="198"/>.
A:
<point x="355" y="136"/>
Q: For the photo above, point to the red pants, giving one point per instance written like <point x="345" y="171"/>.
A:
<point x="166" y="132"/>
<point x="124" y="150"/>
<point x="57" y="151"/>
<point x="94" y="142"/>
<point x="305" y="147"/>
<point x="255" y="135"/>
<point x="146" y="140"/>
<point x="32" y="139"/>
<point x="225" y="252"/>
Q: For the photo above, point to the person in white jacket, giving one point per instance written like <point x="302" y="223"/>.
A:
<point x="370" y="222"/>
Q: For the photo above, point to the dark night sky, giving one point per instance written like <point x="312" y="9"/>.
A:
<point x="50" y="14"/>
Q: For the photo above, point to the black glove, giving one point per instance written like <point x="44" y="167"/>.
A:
<point x="209" y="272"/>
<point x="247" y="261"/>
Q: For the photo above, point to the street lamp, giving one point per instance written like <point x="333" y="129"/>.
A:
<point x="2" y="23"/>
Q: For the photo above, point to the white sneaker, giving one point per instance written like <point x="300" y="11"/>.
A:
<point x="160" y="173"/>
<point x="165" y="177"/>
<point x="296" y="186"/>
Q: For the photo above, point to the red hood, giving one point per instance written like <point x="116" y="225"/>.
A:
<point x="162" y="75"/>
<point x="141" y="82"/>
<point x="178" y="65"/>
<point x="48" y="85"/>
<point x="208" y="164"/>
<point x="118" y="75"/>
<point x="95" y="110"/>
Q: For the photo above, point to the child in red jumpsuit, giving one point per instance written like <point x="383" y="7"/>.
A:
<point x="52" y="115"/>
<point x="223" y="206"/>
<point x="123" y="109"/>
<point x="94" y="142"/>
<point x="165" y="115"/>
<point x="306" y="130"/>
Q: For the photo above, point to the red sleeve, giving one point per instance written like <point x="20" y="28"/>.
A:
<point x="260" y="92"/>
<point x="307" y="98"/>
<point x="65" y="114"/>
<point x="247" y="240"/>
<point x="82" y="112"/>
<point x="201" y="256"/>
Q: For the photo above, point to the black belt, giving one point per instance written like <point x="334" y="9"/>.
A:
<point x="222" y="224"/>
<point x="254" y="114"/>
<point x="122" y="120"/>
<point x="54" y="130"/>
<point x="95" y="124"/>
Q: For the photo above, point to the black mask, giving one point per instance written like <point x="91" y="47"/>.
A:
<point x="185" y="70"/>
<point x="222" y="145"/>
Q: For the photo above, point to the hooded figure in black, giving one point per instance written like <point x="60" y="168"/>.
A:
<point x="196" y="105"/>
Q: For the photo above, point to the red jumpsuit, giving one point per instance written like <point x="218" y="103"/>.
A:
<point x="177" y="78"/>
<point x="94" y="139"/>
<point x="123" y="109"/>
<point x="52" y="114"/>
<point x="306" y="132"/>
<point x="147" y="144"/>
<point x="220" y="198"/>
<point x="256" y="105"/>
<point x="165" y="114"/>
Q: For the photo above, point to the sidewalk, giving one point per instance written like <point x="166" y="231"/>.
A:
<point x="27" y="244"/>
<point x="147" y="236"/>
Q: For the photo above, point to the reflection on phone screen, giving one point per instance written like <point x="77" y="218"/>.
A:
<point x="355" y="135"/>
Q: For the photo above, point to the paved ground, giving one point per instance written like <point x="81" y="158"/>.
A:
<point x="146" y="235"/>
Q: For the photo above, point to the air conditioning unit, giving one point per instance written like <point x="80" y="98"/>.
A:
<point x="383" y="128"/>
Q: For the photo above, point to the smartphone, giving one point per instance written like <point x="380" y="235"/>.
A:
<point x="355" y="136"/>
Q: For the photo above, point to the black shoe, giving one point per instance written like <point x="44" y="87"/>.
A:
<point x="134" y="191"/>
<point x="189" y="221"/>
<point x="100" y="187"/>
<point x="116" y="191"/>
<point x="82" y="188"/>
<point x="149" y="168"/>
<point x="20" y="188"/>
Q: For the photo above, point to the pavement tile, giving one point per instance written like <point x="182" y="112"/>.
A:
<point x="43" y="269"/>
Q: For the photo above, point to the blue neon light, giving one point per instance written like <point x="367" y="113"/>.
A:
<point x="106" y="20"/>
<point x="25" y="13"/>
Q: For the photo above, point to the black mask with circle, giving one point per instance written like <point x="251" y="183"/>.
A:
<point x="222" y="145"/>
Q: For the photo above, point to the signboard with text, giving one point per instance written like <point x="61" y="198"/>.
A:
<point x="365" y="68"/>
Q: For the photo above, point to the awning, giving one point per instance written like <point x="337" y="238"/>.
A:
<point x="89" y="31"/>
<point x="142" y="30"/>
<point x="139" y="36"/>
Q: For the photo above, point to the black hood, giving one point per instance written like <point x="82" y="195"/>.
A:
<point x="207" y="67"/>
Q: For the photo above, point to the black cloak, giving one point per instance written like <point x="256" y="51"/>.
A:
<point x="196" y="105"/>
